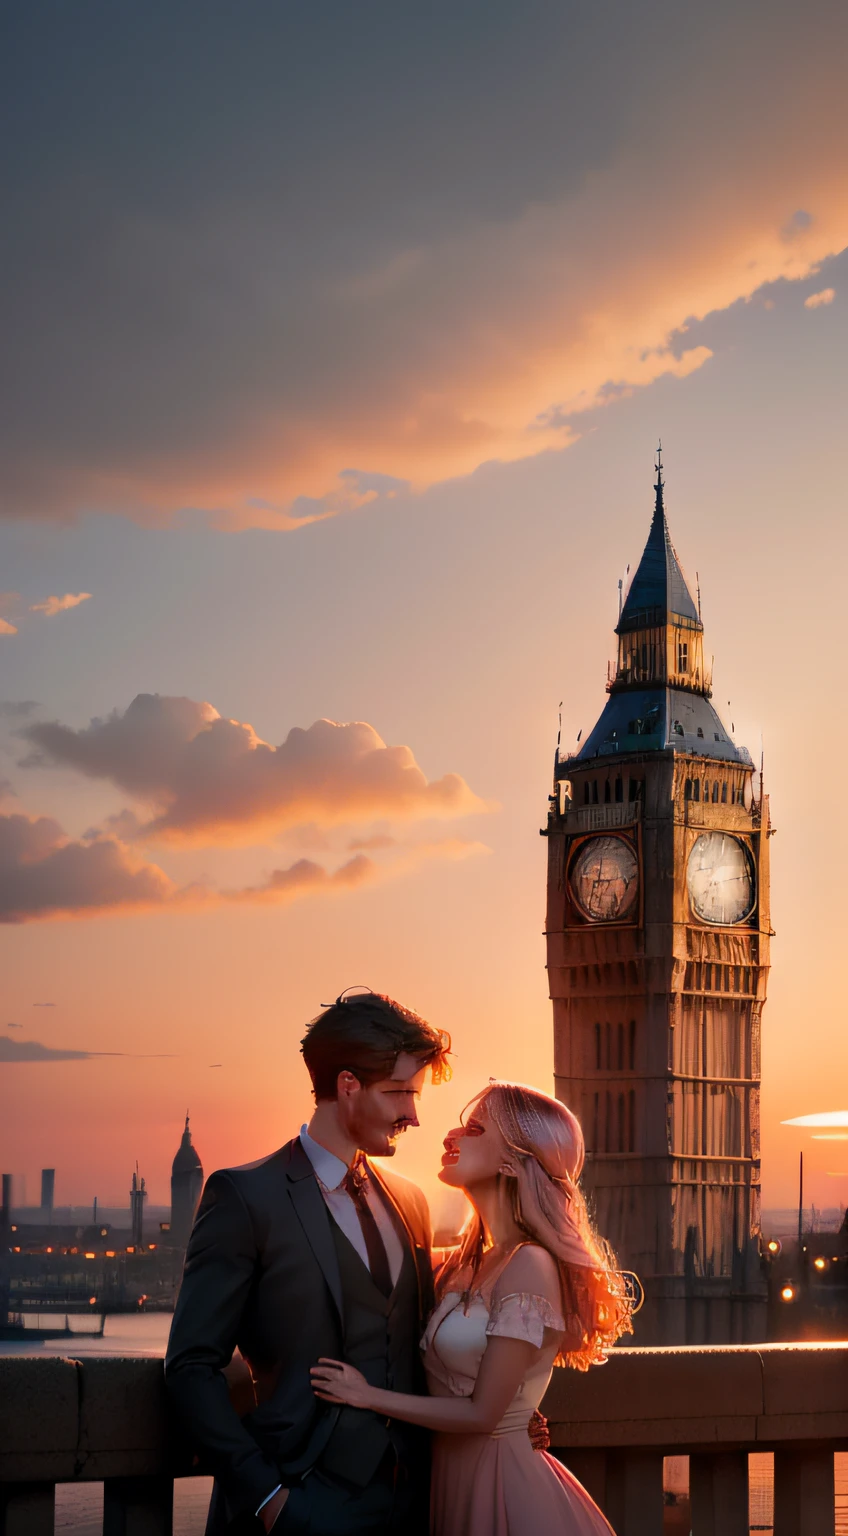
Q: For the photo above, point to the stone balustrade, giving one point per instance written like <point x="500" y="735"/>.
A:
<point x="104" y="1419"/>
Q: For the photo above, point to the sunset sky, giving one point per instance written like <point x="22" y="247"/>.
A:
<point x="337" y="341"/>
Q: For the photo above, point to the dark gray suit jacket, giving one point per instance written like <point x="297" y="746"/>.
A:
<point x="261" y="1275"/>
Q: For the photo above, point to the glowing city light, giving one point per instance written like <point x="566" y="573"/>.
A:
<point x="788" y="1293"/>
<point x="820" y="1263"/>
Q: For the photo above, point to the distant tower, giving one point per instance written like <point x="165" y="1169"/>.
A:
<point x="658" y="953"/>
<point x="48" y="1185"/>
<point x="138" y="1195"/>
<point x="186" y="1187"/>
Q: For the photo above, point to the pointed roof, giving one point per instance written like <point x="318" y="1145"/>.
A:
<point x="186" y="1159"/>
<point x="659" y="583"/>
<point x="659" y="719"/>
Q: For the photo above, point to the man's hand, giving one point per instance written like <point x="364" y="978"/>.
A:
<point x="269" y="1512"/>
<point x="537" y="1429"/>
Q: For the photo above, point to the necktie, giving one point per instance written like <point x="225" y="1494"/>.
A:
<point x="354" y="1183"/>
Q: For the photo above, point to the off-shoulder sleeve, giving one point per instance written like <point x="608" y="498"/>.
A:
<point x="523" y="1316"/>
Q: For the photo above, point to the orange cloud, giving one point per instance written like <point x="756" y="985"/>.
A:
<point x="307" y="878"/>
<point x="210" y="780"/>
<point x="43" y="873"/>
<point x="816" y="300"/>
<point x="421" y="351"/>
<point x="53" y="605"/>
<point x="6" y="628"/>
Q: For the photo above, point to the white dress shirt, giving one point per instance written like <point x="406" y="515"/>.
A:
<point x="329" y="1171"/>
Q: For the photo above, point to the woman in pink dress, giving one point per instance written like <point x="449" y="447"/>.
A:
<point x="530" y="1286"/>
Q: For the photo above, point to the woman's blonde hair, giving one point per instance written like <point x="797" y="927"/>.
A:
<point x="546" y="1141"/>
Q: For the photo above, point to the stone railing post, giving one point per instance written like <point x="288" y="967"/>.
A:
<point x="718" y="1494"/>
<point x="27" y="1509"/>
<point x="138" y="1506"/>
<point x="634" y="1492"/>
<point x="804" y="1503"/>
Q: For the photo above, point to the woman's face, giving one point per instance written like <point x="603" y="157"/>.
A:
<point x="474" y="1152"/>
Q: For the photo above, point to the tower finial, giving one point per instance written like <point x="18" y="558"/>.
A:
<point x="186" y="1124"/>
<point x="658" y="487"/>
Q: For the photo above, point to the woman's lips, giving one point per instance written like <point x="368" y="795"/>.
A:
<point x="449" y="1156"/>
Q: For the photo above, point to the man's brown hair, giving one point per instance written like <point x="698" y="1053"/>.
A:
<point x="365" y="1033"/>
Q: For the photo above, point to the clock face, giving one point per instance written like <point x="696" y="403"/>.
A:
<point x="720" y="877"/>
<point x="604" y="879"/>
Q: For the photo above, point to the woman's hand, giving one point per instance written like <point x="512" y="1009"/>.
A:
<point x="338" y="1383"/>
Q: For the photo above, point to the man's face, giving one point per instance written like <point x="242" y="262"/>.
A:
<point x="376" y="1116"/>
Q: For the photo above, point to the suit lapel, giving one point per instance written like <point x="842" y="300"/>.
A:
<point x="308" y="1202"/>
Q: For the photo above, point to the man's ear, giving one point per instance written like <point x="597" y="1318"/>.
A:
<point x="347" y="1083"/>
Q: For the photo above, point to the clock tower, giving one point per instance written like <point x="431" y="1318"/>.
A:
<point x="658" y="953"/>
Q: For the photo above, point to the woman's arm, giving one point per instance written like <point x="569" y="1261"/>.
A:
<point x="502" y="1370"/>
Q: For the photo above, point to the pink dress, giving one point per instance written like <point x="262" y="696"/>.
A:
<point x="497" y="1485"/>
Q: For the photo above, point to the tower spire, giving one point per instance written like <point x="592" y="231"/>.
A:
<point x="658" y="487"/>
<point x="658" y="593"/>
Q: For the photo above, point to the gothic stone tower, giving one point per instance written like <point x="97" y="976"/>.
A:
<point x="658" y="953"/>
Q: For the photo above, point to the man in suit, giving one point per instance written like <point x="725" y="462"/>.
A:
<point x="314" y="1252"/>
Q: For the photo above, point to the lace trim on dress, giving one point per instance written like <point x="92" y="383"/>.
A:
<point x="522" y="1315"/>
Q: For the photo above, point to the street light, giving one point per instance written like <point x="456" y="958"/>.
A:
<point x="788" y="1293"/>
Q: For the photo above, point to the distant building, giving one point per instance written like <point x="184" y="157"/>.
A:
<point x="186" y="1186"/>
<point x="658" y="953"/>
<point x="48" y="1185"/>
<point x="138" y="1195"/>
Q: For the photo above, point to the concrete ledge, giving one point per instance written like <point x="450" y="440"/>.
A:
<point x="662" y="1384"/>
<point x="39" y="1419"/>
<point x="729" y="1396"/>
<point x="123" y="1419"/>
<point x="66" y="1420"/>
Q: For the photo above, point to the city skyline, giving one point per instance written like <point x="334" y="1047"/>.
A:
<point x="345" y="411"/>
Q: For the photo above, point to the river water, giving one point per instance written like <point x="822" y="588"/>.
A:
<point x="79" y="1507"/>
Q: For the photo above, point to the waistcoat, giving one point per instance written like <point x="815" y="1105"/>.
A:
<point x="381" y="1339"/>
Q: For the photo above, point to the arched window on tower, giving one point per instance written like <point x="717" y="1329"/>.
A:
<point x="631" y="1046"/>
<point x="687" y="790"/>
<point x="585" y="791"/>
<point x="724" y="792"/>
<point x="682" y="656"/>
<point x="619" y="790"/>
<point x="620" y="1052"/>
<point x="620" y="1127"/>
<point x="696" y="789"/>
<point x="715" y="791"/>
<point x="594" y="791"/>
<point x="597" y="1047"/>
<point x="607" y="795"/>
